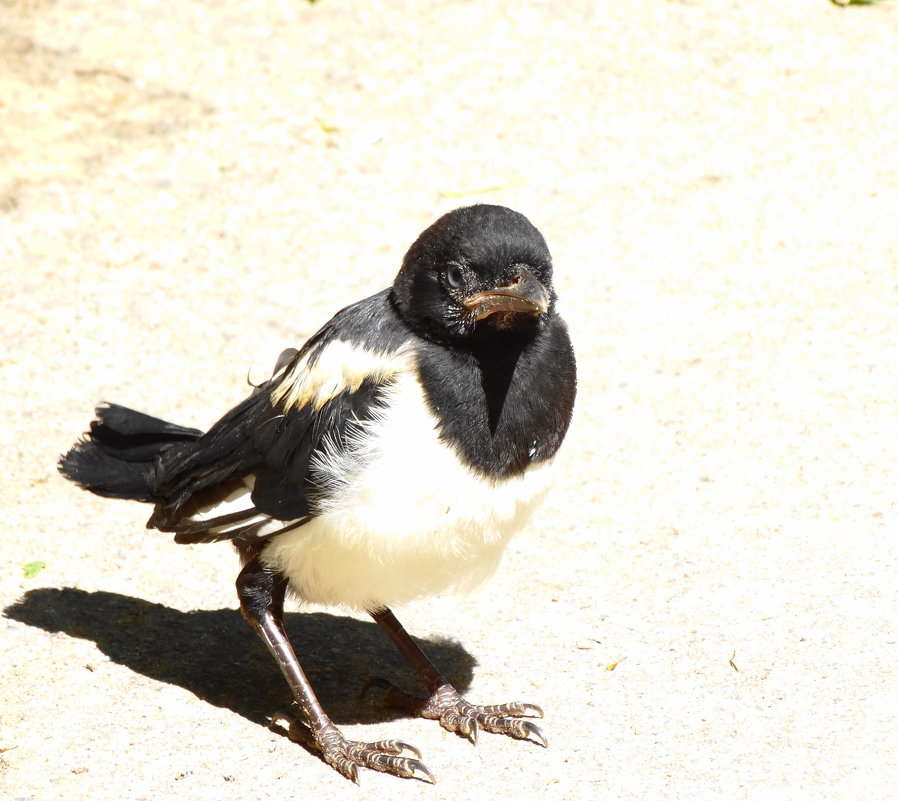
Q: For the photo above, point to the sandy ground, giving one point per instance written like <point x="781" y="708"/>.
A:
<point x="706" y="607"/>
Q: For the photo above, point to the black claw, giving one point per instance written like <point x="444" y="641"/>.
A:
<point x="532" y="710"/>
<point x="403" y="746"/>
<point x="281" y="717"/>
<point x="419" y="767"/>
<point x="475" y="730"/>
<point x="533" y="730"/>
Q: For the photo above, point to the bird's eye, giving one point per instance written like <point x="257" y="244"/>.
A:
<point x="454" y="276"/>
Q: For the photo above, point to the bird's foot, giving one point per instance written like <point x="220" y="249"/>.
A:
<point x="466" y="719"/>
<point x="347" y="756"/>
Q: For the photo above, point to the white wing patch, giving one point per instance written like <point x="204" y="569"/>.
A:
<point x="227" y="515"/>
<point x="400" y="516"/>
<point x="338" y="367"/>
<point x="236" y="500"/>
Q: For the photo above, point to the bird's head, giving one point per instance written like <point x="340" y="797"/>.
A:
<point x="476" y="273"/>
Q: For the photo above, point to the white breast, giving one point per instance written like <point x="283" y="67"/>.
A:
<point x="402" y="518"/>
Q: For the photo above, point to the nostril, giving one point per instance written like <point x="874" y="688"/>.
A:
<point x="519" y="276"/>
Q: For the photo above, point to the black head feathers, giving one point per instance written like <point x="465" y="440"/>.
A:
<point x="476" y="271"/>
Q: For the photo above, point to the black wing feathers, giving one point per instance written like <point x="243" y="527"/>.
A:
<point x="283" y="484"/>
<point x="288" y="441"/>
<point x="225" y="451"/>
<point x="270" y="444"/>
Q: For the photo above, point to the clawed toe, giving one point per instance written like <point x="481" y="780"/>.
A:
<point x="457" y="715"/>
<point x="525" y="730"/>
<point x="531" y="711"/>
<point x="469" y="719"/>
<point x="347" y="756"/>
<point x="395" y="757"/>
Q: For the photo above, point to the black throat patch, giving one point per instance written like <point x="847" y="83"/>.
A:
<point x="505" y="403"/>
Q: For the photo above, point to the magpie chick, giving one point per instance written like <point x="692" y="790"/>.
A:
<point x="391" y="458"/>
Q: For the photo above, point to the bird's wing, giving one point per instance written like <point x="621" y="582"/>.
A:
<point x="252" y="475"/>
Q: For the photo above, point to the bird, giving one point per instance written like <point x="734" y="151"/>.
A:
<point x="390" y="458"/>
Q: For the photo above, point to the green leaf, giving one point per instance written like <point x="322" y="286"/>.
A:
<point x="31" y="569"/>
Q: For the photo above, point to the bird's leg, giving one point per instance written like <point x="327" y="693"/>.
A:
<point x="261" y="593"/>
<point x="445" y="704"/>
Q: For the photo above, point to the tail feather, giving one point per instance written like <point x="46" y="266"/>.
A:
<point x="118" y="456"/>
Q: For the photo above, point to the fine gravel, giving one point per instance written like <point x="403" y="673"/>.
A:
<point x="706" y="605"/>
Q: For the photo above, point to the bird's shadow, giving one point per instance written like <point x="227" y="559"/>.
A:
<point x="217" y="656"/>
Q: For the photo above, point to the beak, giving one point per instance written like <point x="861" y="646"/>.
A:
<point x="524" y="295"/>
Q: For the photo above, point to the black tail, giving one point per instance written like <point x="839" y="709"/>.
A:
<point x="117" y="458"/>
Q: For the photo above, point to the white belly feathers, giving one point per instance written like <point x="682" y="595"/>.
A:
<point x="400" y="516"/>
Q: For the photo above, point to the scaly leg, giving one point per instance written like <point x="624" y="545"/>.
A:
<point x="444" y="702"/>
<point x="261" y="593"/>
